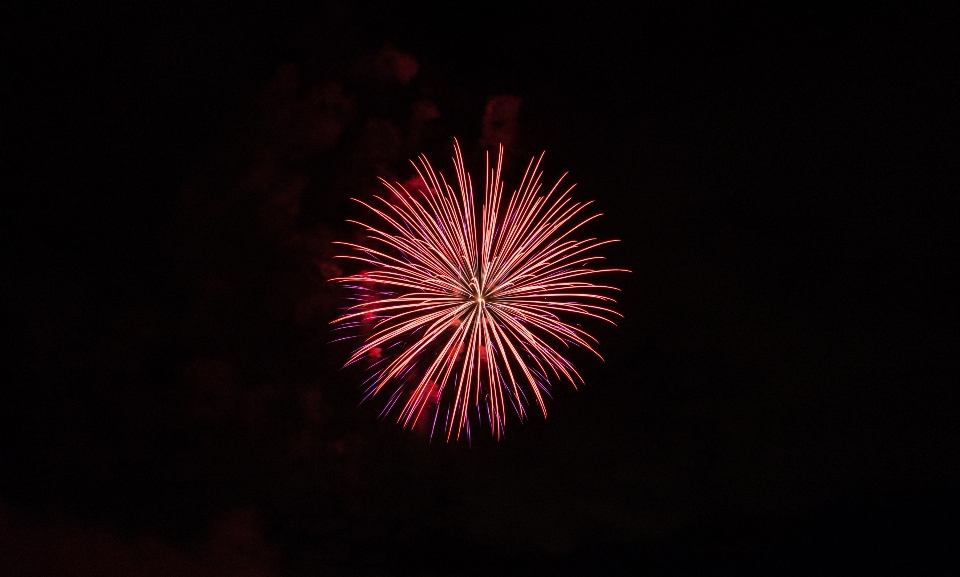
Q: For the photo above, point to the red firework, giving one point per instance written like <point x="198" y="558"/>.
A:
<point x="462" y="312"/>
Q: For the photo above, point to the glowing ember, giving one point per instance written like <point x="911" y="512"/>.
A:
<point x="461" y="312"/>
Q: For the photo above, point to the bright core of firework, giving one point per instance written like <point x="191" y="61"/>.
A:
<point x="462" y="314"/>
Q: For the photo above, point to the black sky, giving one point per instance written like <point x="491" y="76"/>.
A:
<point x="779" y="397"/>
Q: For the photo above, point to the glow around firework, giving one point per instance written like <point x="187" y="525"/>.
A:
<point x="463" y="312"/>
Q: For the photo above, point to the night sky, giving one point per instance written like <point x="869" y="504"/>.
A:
<point x="778" y="397"/>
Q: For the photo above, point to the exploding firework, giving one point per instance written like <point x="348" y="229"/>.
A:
<point x="463" y="312"/>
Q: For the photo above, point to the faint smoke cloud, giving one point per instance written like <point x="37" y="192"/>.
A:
<point x="500" y="124"/>
<point x="235" y="547"/>
<point x="391" y="64"/>
<point x="303" y="121"/>
<point x="424" y="110"/>
<point x="381" y="140"/>
<point x="326" y="111"/>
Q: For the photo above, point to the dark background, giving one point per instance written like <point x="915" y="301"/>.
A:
<point x="779" y="396"/>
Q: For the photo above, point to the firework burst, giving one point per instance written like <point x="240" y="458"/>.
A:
<point x="462" y="311"/>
